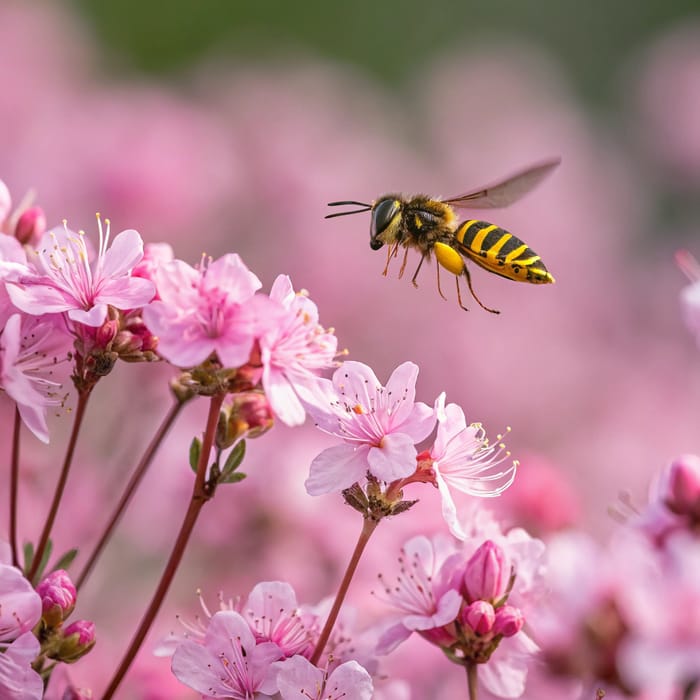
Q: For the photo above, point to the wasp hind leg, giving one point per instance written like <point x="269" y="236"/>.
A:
<point x="473" y="293"/>
<point x="437" y="268"/>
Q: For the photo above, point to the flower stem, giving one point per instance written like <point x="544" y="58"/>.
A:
<point x="83" y="397"/>
<point x="14" y="486"/>
<point x="131" y="487"/>
<point x="369" y="525"/>
<point x="472" y="679"/>
<point x="200" y="495"/>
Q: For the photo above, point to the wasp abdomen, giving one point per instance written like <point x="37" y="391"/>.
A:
<point x="499" y="251"/>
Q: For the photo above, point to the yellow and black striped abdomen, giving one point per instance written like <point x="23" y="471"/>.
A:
<point x="498" y="251"/>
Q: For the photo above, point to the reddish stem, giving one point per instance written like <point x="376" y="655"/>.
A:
<point x="131" y="487"/>
<point x="200" y="496"/>
<point x="60" y="486"/>
<point x="369" y="525"/>
<point x="14" y="487"/>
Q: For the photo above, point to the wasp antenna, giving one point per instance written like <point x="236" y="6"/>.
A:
<point x="357" y="204"/>
<point x="346" y="213"/>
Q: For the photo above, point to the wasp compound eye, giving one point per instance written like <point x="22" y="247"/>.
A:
<point x="382" y="215"/>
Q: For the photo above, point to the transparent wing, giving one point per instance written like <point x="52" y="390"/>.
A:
<point x="501" y="194"/>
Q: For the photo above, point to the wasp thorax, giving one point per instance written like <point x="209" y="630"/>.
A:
<point x="384" y="212"/>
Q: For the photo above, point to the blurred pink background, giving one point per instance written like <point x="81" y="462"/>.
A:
<point x="595" y="375"/>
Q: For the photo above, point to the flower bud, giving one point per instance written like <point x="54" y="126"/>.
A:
<point x="31" y="226"/>
<point x="479" y="616"/>
<point x="246" y="414"/>
<point x="58" y="596"/>
<point x="509" y="621"/>
<point x="683" y="486"/>
<point x="487" y="573"/>
<point x="78" y="639"/>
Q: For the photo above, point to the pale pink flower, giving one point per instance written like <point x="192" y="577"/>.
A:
<point x="62" y="277"/>
<point x="273" y="615"/>
<point x="380" y="426"/>
<point x="154" y="254"/>
<point x="20" y="605"/>
<point x="33" y="362"/>
<point x="293" y="350"/>
<point x="18" y="680"/>
<point x="662" y="647"/>
<point x="463" y="459"/>
<point x="206" y="309"/>
<point x="228" y="664"/>
<point x="298" y="678"/>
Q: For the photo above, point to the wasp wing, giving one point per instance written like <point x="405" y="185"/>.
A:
<point x="501" y="194"/>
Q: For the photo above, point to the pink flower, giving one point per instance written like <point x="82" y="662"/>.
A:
<point x="33" y="355"/>
<point x="292" y="351"/>
<point x="18" y="680"/>
<point x="463" y="459"/>
<point x="63" y="279"/>
<point x="206" y="309"/>
<point x="379" y="425"/>
<point x="298" y="678"/>
<point x="228" y="663"/>
<point x="273" y="615"/>
<point x="5" y="202"/>
<point x="20" y="605"/>
<point x="662" y="607"/>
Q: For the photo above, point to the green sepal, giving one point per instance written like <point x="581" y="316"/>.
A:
<point x="195" y="450"/>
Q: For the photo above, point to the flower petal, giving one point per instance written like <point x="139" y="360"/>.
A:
<point x="336" y="468"/>
<point x="395" y="459"/>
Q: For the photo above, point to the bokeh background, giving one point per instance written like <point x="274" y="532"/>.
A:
<point x="223" y="127"/>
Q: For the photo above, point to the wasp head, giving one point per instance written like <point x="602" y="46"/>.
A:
<point x="385" y="215"/>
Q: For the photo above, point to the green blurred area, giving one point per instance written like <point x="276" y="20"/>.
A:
<point x="388" y="39"/>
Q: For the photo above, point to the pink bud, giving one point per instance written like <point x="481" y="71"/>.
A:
<point x="106" y="333"/>
<point x="78" y="639"/>
<point x="5" y="202"/>
<point x="30" y="226"/>
<point x="58" y="596"/>
<point x="479" y="616"/>
<point x="509" y="621"/>
<point x="683" y="486"/>
<point x="84" y="629"/>
<point x="487" y="573"/>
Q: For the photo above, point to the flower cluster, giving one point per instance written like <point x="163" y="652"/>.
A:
<point x="260" y="647"/>
<point x="470" y="601"/>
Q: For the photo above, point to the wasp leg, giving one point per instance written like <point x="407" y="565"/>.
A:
<point x="471" y="289"/>
<point x="403" y="264"/>
<point x="437" y="268"/>
<point x="415" y="274"/>
<point x="390" y="253"/>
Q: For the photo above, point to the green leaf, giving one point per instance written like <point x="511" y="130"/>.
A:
<point x="232" y="478"/>
<point x="28" y="556"/>
<point x="195" y="450"/>
<point x="65" y="560"/>
<point x="234" y="459"/>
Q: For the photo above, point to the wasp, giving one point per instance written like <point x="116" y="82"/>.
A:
<point x="431" y="225"/>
